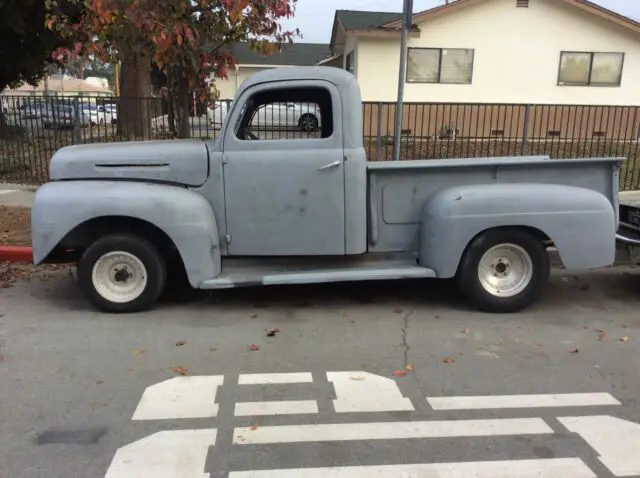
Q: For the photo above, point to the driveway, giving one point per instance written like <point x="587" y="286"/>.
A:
<point x="356" y="380"/>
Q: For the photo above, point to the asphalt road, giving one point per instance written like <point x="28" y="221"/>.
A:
<point x="75" y="402"/>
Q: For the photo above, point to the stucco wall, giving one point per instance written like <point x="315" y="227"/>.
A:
<point x="229" y="86"/>
<point x="517" y="55"/>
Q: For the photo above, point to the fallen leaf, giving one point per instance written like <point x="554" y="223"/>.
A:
<point x="254" y="427"/>
<point x="138" y="351"/>
<point x="585" y="327"/>
<point x="540" y="345"/>
<point x="357" y="379"/>
<point x="254" y="347"/>
<point x="399" y="373"/>
<point x="180" y="343"/>
<point x="601" y="335"/>
<point x="345" y="314"/>
<point x="254" y="316"/>
<point x="99" y="382"/>
<point x="180" y="370"/>
<point x="466" y="331"/>
<point x="624" y="339"/>
<point x="397" y="310"/>
<point x="409" y="367"/>
<point x="213" y="349"/>
<point x="574" y="351"/>
<point x="584" y="287"/>
<point x="272" y="332"/>
<point x="437" y="317"/>
<point x="448" y="360"/>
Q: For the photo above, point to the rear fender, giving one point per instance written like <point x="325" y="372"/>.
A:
<point x="183" y="215"/>
<point x="580" y="222"/>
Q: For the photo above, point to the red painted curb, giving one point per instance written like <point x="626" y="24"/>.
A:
<point x="16" y="254"/>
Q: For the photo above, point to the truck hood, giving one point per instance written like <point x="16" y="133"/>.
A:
<point x="184" y="161"/>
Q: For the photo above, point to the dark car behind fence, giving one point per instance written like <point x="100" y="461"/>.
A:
<point x="32" y="128"/>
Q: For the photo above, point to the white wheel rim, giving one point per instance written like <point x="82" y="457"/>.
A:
<point x="505" y="270"/>
<point x="119" y="277"/>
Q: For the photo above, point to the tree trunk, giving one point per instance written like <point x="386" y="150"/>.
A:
<point x="134" y="114"/>
<point x="182" y="106"/>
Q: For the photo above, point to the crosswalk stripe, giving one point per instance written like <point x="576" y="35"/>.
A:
<point x="549" y="468"/>
<point x="286" y="407"/>
<point x="522" y="401"/>
<point x="389" y="430"/>
<point x="366" y="392"/>
<point x="274" y="378"/>
<point x="180" y="397"/>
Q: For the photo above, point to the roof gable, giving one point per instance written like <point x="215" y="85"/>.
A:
<point x="584" y="5"/>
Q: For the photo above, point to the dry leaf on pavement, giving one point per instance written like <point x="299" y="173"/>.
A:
<point x="254" y="347"/>
<point x="574" y="351"/>
<point x="409" y="367"/>
<point x="138" y="351"/>
<point x="466" y="331"/>
<point x="180" y="370"/>
<point x="624" y="339"/>
<point x="213" y="349"/>
<point x="254" y="427"/>
<point x="399" y="373"/>
<point x="448" y="360"/>
<point x="272" y="331"/>
<point x="601" y="335"/>
<point x="180" y="343"/>
<point x="357" y="379"/>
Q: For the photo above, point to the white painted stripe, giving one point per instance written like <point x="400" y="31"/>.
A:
<point x="389" y="430"/>
<point x="8" y="191"/>
<point x="180" y="397"/>
<point x="522" y="401"/>
<point x="166" y="454"/>
<point x="271" y="378"/>
<point x="551" y="468"/>
<point x="366" y="392"/>
<point x="616" y="441"/>
<point x="285" y="407"/>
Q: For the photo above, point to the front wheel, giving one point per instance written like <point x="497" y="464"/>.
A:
<point x="122" y="273"/>
<point x="504" y="271"/>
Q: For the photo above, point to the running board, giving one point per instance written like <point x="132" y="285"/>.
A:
<point x="230" y="278"/>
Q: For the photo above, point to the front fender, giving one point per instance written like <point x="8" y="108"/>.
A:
<point x="183" y="215"/>
<point x="580" y="222"/>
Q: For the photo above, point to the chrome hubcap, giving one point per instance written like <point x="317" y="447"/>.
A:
<point x="505" y="270"/>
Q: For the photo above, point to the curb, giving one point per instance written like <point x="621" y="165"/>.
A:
<point x="16" y="254"/>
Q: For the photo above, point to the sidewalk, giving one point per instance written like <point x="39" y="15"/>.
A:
<point x="16" y="195"/>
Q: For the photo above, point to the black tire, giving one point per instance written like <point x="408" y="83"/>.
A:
<point x="140" y="248"/>
<point x="308" y="123"/>
<point x="471" y="286"/>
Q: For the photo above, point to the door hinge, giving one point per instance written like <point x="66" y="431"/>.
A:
<point x="228" y="238"/>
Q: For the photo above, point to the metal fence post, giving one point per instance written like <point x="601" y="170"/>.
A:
<point x="379" y="133"/>
<point x="525" y="128"/>
<point x="77" y="136"/>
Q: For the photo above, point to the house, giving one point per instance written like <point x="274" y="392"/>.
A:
<point x="250" y="62"/>
<point x="61" y="85"/>
<point x="563" y="52"/>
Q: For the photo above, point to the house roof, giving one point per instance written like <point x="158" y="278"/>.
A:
<point x="295" y="54"/>
<point x="355" y="21"/>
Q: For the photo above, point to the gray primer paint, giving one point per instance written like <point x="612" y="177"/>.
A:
<point x="270" y="199"/>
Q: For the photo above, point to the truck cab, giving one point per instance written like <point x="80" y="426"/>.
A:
<point x="303" y="205"/>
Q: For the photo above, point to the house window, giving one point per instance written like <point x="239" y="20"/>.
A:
<point x="349" y="63"/>
<point x="590" y="69"/>
<point x="440" y="65"/>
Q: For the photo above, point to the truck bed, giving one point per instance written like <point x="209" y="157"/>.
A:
<point x="398" y="189"/>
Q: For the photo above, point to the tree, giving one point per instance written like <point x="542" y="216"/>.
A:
<point x="187" y="41"/>
<point x="26" y="44"/>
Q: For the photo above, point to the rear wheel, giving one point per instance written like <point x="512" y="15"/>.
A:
<point x="504" y="270"/>
<point x="122" y="273"/>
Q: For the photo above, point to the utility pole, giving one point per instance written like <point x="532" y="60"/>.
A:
<point x="407" y="17"/>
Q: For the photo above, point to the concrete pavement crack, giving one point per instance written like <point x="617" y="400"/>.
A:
<point x="405" y="344"/>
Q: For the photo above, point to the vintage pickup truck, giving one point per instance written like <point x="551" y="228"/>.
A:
<point x="252" y="209"/>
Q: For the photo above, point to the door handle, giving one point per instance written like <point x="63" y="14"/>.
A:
<point x="329" y="166"/>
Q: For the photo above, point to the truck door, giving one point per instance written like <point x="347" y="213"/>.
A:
<point x="284" y="188"/>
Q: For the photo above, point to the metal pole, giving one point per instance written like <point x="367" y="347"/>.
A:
<point x="407" y="15"/>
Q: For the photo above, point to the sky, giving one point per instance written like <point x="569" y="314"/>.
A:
<point x="314" y="18"/>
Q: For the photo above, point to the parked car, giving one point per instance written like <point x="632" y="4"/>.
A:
<point x="59" y="117"/>
<point x="95" y="114"/>
<point x="239" y="211"/>
<point x="303" y="116"/>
